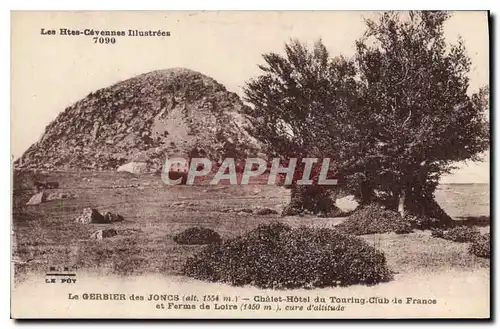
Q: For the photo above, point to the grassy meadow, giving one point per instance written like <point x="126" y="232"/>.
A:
<point x="47" y="235"/>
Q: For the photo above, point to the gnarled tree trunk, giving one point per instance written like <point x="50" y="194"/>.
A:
<point x="366" y="192"/>
<point x="413" y="201"/>
<point x="316" y="199"/>
<point x="401" y="203"/>
<point x="427" y="207"/>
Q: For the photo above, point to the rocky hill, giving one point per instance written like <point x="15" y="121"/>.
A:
<point x="174" y="111"/>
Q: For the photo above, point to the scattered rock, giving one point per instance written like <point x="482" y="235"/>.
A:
<point x="38" y="198"/>
<point x="46" y="185"/>
<point x="103" y="234"/>
<point x="245" y="210"/>
<point x="90" y="216"/>
<point x="256" y="191"/>
<point x="19" y="260"/>
<point x="182" y="204"/>
<point x="134" y="167"/>
<point x="59" y="196"/>
<point x="124" y="186"/>
<point x="95" y="217"/>
<point x="130" y="231"/>
<point x="265" y="211"/>
<point x="197" y="235"/>
<point x="110" y="217"/>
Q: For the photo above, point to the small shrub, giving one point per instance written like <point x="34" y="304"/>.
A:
<point x="314" y="199"/>
<point x="277" y="256"/>
<point x="265" y="211"/>
<point x="437" y="233"/>
<point x="290" y="210"/>
<point x="403" y="229"/>
<point x="422" y="222"/>
<point x="481" y="246"/>
<point x="197" y="235"/>
<point x="335" y="212"/>
<point x="461" y="234"/>
<point x="374" y="218"/>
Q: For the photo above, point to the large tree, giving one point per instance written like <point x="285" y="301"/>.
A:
<point x="297" y="103"/>
<point x="395" y="119"/>
<point x="417" y="114"/>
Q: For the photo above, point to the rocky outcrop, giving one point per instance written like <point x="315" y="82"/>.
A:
<point x="90" y="216"/>
<point x="60" y="196"/>
<point x="46" y="185"/>
<point x="103" y="234"/>
<point x="45" y="196"/>
<point x="134" y="167"/>
<point x="38" y="198"/>
<point x="93" y="216"/>
<point x="197" y="235"/>
<point x="111" y="218"/>
<point x="263" y="211"/>
<point x="150" y="116"/>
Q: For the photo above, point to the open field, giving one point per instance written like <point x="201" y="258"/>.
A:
<point x="47" y="235"/>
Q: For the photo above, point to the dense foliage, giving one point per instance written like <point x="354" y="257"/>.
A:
<point x="395" y="118"/>
<point x="458" y="234"/>
<point x="374" y="218"/>
<point x="277" y="256"/>
<point x="197" y="235"/>
<point x="417" y="118"/>
<point x="481" y="246"/>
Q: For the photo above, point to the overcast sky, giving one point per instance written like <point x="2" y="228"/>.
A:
<point x="50" y="73"/>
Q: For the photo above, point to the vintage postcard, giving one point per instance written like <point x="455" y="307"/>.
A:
<point x="260" y="164"/>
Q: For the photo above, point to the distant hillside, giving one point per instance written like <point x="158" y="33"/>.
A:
<point x="173" y="111"/>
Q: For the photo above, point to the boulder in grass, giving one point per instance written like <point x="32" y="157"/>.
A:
<point x="89" y="216"/>
<point x="243" y="210"/>
<point x="197" y="236"/>
<point x="38" y="198"/>
<point x="93" y="216"/>
<point x="265" y="211"/>
<point x="46" y="185"/>
<point x="110" y="217"/>
<point x="59" y="196"/>
<point x="134" y="168"/>
<point x="103" y="234"/>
